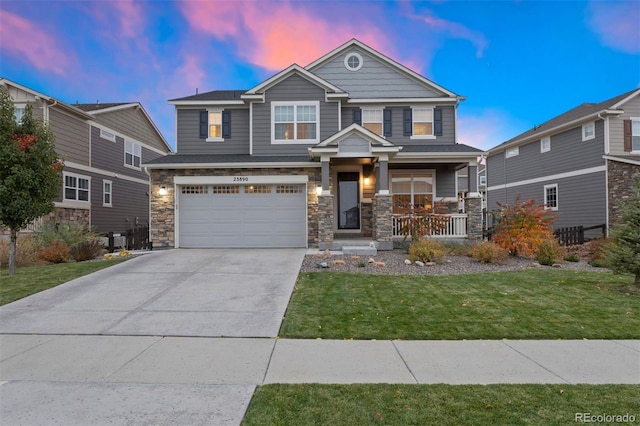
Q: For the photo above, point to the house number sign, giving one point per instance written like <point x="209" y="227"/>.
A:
<point x="240" y="179"/>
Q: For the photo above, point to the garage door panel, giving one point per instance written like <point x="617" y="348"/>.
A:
<point x="243" y="219"/>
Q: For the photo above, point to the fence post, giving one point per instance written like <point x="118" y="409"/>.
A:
<point x="110" y="242"/>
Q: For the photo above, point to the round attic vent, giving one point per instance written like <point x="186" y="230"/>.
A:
<point x="353" y="61"/>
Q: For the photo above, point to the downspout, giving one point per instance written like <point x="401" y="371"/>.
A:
<point x="607" y="149"/>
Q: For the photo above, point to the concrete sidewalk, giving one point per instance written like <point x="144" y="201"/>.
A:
<point x="65" y="379"/>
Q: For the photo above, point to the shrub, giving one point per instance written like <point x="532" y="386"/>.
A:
<point x="57" y="252"/>
<point x="550" y="252"/>
<point x="488" y="252"/>
<point x="427" y="250"/>
<point x="596" y="252"/>
<point x="87" y="250"/>
<point x="459" y="248"/>
<point x="26" y="251"/>
<point x="572" y="258"/>
<point x="523" y="227"/>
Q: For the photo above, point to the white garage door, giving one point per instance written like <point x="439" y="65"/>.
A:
<point x="234" y="216"/>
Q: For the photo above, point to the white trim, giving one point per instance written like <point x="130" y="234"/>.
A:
<point x="110" y="203"/>
<point x="351" y="55"/>
<point x="256" y="165"/>
<point x="404" y="101"/>
<point x="622" y="159"/>
<point x="634" y="151"/>
<point x="123" y="136"/>
<point x="250" y="128"/>
<point x="206" y="103"/>
<point x="606" y="199"/>
<point x="70" y="204"/>
<point x="542" y="144"/>
<point x="625" y="100"/>
<point x="284" y="74"/>
<point x="512" y="152"/>
<point x="541" y="179"/>
<point x="104" y="172"/>
<point x="107" y="135"/>
<point x="77" y="176"/>
<point x="550" y="186"/>
<point x="239" y="180"/>
<point x="295" y="105"/>
<point x="584" y="127"/>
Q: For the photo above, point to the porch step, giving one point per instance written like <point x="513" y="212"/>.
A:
<point x="360" y="250"/>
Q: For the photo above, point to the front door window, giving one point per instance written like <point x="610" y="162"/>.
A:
<point x="349" y="200"/>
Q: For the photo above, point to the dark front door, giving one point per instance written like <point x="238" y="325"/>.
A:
<point x="348" y="200"/>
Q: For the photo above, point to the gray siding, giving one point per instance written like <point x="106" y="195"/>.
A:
<point x="616" y="130"/>
<point x="375" y="79"/>
<point x="129" y="200"/>
<point x="189" y="141"/>
<point x="294" y="88"/>
<point x="109" y="156"/>
<point x="568" y="152"/>
<point x="581" y="199"/>
<point x="397" y="137"/>
<point x="72" y="137"/>
<point x="133" y="123"/>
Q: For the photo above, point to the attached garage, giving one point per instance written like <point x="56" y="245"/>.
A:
<point x="254" y="213"/>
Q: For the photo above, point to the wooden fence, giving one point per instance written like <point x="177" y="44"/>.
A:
<point x="134" y="239"/>
<point x="568" y="236"/>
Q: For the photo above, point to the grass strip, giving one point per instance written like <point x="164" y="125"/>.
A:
<point x="531" y="304"/>
<point x="29" y="280"/>
<point x="367" y="404"/>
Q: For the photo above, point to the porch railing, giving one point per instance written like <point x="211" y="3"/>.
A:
<point x="456" y="226"/>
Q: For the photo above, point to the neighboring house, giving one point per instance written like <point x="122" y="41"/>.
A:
<point x="103" y="146"/>
<point x="312" y="156"/>
<point x="579" y="163"/>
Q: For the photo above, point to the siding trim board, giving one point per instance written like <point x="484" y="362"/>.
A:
<point x="123" y="136"/>
<point x="104" y="172"/>
<point x="573" y="173"/>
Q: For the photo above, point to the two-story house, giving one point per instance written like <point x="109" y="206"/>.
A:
<point x="311" y="156"/>
<point x="103" y="146"/>
<point x="579" y="163"/>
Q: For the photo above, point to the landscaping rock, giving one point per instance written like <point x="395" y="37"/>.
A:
<point x="338" y="263"/>
<point x="371" y="260"/>
<point x="322" y="265"/>
<point x="419" y="263"/>
<point x="430" y="264"/>
<point x="407" y="262"/>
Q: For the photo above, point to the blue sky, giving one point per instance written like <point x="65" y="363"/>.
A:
<point x="519" y="63"/>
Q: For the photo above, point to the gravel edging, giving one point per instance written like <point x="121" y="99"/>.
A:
<point x="394" y="264"/>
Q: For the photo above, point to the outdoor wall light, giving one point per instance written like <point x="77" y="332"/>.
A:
<point x="367" y="180"/>
<point x="163" y="190"/>
<point x="318" y="190"/>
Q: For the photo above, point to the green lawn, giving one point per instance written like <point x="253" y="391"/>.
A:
<point x="531" y="304"/>
<point x="315" y="404"/>
<point x="33" y="279"/>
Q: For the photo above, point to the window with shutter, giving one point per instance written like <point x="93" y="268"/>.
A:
<point x="387" y="122"/>
<point x="215" y="125"/>
<point x="407" y="119"/>
<point x="437" y="121"/>
<point x="357" y="116"/>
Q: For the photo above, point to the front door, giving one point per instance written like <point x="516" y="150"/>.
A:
<point x="348" y="200"/>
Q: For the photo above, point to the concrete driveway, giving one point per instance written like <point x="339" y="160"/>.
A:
<point x="203" y="293"/>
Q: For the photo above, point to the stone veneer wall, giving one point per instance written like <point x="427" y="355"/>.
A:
<point x="620" y="176"/>
<point x="325" y="219"/>
<point x="66" y="215"/>
<point x="366" y="215"/>
<point x="473" y="208"/>
<point x="162" y="226"/>
<point x="383" y="221"/>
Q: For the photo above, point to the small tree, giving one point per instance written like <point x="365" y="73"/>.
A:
<point x="623" y="254"/>
<point x="523" y="227"/>
<point x="29" y="171"/>
<point x="420" y="222"/>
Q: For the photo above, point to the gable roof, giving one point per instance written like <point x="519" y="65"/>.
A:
<point x="214" y="95"/>
<point x="98" y="106"/>
<point x="354" y="129"/>
<point x="291" y="70"/>
<point x="390" y="62"/>
<point x="573" y="117"/>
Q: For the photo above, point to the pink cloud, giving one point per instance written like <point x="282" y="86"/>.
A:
<point x="29" y="40"/>
<point x="485" y="129"/>
<point x="130" y="15"/>
<point x="616" y="24"/>
<point x="457" y="30"/>
<point x="274" y="35"/>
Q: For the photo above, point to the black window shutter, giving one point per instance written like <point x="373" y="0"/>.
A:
<point x="407" y="122"/>
<point x="387" y="121"/>
<point x="226" y="124"/>
<point x="357" y="116"/>
<point x="437" y="121"/>
<point x="628" y="140"/>
<point x="204" y="124"/>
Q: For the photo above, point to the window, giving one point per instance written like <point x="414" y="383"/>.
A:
<point x="107" y="135"/>
<point x="635" y="135"/>
<point x="372" y="120"/>
<point x="132" y="154"/>
<point x="512" y="152"/>
<point x="353" y="62"/>
<point x="215" y="125"/>
<point x="107" y="189"/>
<point x="551" y="196"/>
<point x="18" y="112"/>
<point x="545" y="144"/>
<point x="295" y="123"/>
<point x="412" y="191"/>
<point x="76" y="187"/>
<point x="483" y="180"/>
<point x="588" y="131"/>
<point x="422" y="122"/>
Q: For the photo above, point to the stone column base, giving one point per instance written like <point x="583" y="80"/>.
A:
<point x="325" y="220"/>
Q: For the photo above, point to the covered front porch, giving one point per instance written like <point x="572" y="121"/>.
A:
<point x="370" y="190"/>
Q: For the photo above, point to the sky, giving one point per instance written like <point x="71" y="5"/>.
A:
<point x="519" y="63"/>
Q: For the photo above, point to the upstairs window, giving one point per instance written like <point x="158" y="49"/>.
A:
<point x="132" y="154"/>
<point x="588" y="131"/>
<point x="76" y="187"/>
<point x="107" y="135"/>
<point x="295" y="122"/>
<point x="372" y="120"/>
<point x="635" y="134"/>
<point x="512" y="152"/>
<point x="422" y="122"/>
<point x="107" y="189"/>
<point x="545" y="144"/>
<point x="18" y="112"/>
<point x="215" y="125"/>
<point x="551" y="196"/>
